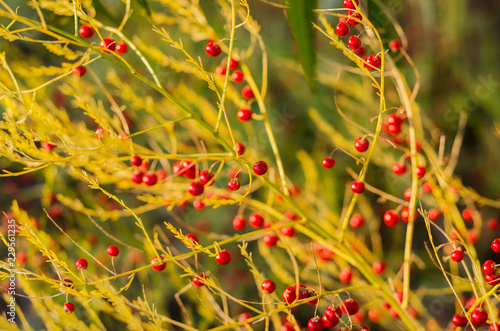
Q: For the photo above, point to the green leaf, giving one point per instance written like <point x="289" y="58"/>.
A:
<point x="145" y="5"/>
<point x="300" y="17"/>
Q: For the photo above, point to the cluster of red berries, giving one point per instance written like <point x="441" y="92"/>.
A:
<point x="213" y="49"/>
<point x="141" y="173"/>
<point x="106" y="44"/>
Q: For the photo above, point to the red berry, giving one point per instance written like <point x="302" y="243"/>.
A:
<point x="433" y="214"/>
<point x="270" y="239"/>
<point x="287" y="327"/>
<point x="493" y="224"/>
<point x="495" y="326"/>
<point x="69" y="307"/>
<point x="315" y="324"/>
<point x="48" y="147"/>
<point x="157" y="267"/>
<point x="288" y="231"/>
<point x="489" y="267"/>
<point x="213" y="49"/>
<point x="240" y="148"/>
<point x="192" y="238"/>
<point x="394" y="45"/>
<point x="237" y="76"/>
<point x="361" y="144"/>
<point x="360" y="50"/>
<point x="373" y="61"/>
<point x="391" y="218"/>
<point x="223" y="257"/>
<point x="100" y="133"/>
<point x="107" y="44"/>
<point x="196" y="189"/>
<point x="356" y="221"/>
<point x="190" y="169"/>
<point x="86" y="31"/>
<point x="79" y="71"/>
<point x="136" y="160"/>
<point x="260" y="168"/>
<point x="244" y="114"/>
<point x="198" y="280"/>
<point x="206" y="176"/>
<point x="233" y="184"/>
<point x="121" y="48"/>
<point x="420" y="171"/>
<point x="350" y="306"/>
<point x="379" y="267"/>
<point x="394" y="119"/>
<point x="328" y="162"/>
<point x="113" y="251"/>
<point x="256" y="220"/>
<point x="358" y="187"/>
<point x="221" y="70"/>
<point x="467" y="215"/>
<point x="345" y="276"/>
<point x="478" y="316"/>
<point x="330" y="323"/>
<point x="492" y="280"/>
<point x="198" y="204"/>
<point x="393" y="129"/>
<point x="81" y="264"/>
<point x="247" y="92"/>
<point x="268" y="286"/>
<point x="353" y="17"/>
<point x="332" y="312"/>
<point x="353" y="42"/>
<point x="233" y="64"/>
<point x="398" y="168"/>
<point x="342" y="29"/>
<point x="137" y="177"/>
<point x="495" y="245"/>
<point x="362" y="328"/>
<point x="150" y="179"/>
<point x="457" y="256"/>
<point x="459" y="320"/>
<point x="348" y="4"/>
<point x="289" y="295"/>
<point x="405" y="214"/>
<point x="239" y="223"/>
<point x="407" y="194"/>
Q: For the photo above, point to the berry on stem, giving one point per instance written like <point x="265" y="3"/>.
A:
<point x="137" y="177"/>
<point x="237" y="76"/>
<point x="478" y="316"/>
<point x="206" y="176"/>
<point x="489" y="267"/>
<point x="48" y="147"/>
<point x="86" y="31"/>
<point x="420" y="171"/>
<point x="256" y="220"/>
<point x="398" y="168"/>
<point x="495" y="245"/>
<point x="328" y="162"/>
<point x="233" y="64"/>
<point x="395" y="45"/>
<point x="357" y="187"/>
<point x="79" y="71"/>
<point x="345" y="276"/>
<point x="81" y="264"/>
<point x="342" y="29"/>
<point x="192" y="238"/>
<point x="268" y="286"/>
<point x="270" y="239"/>
<point x="150" y="179"/>
<point x="246" y="92"/>
<point x="213" y="49"/>
<point x="315" y="324"/>
<point x="457" y="256"/>
<point x="244" y="114"/>
<point x="121" y="48"/>
<point x="348" y="4"/>
<point x="240" y="148"/>
<point x="459" y="320"/>
<point x="379" y="267"/>
<point x="196" y="189"/>
<point x="239" y="223"/>
<point x="107" y="44"/>
<point x="136" y="160"/>
<point x="353" y="42"/>
<point x="197" y="280"/>
<point x="113" y="251"/>
<point x="391" y="218"/>
<point x="223" y="257"/>
<point x="361" y="144"/>
<point x="373" y="62"/>
<point x="350" y="306"/>
<point x="157" y="267"/>
<point x="353" y="18"/>
<point x="260" y="168"/>
<point x="100" y="133"/>
<point x="356" y="221"/>
<point x="233" y="184"/>
<point x="221" y="70"/>
<point x="69" y="307"/>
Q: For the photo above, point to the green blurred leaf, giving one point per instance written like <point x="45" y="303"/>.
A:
<point x="145" y="5"/>
<point x="300" y="17"/>
<point x="101" y="9"/>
